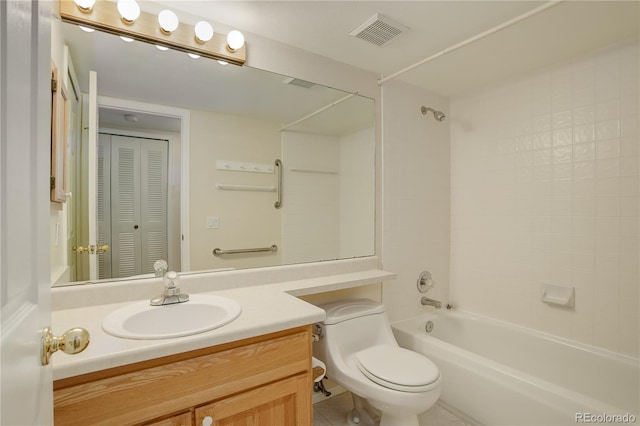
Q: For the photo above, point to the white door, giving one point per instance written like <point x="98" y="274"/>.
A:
<point x="92" y="140"/>
<point x="74" y="126"/>
<point x="104" y="203"/>
<point x="25" y="110"/>
<point x="87" y="261"/>
<point x="138" y="200"/>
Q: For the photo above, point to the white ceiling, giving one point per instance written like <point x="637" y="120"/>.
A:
<point x="322" y="27"/>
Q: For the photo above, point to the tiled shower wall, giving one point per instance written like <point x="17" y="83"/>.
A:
<point x="545" y="186"/>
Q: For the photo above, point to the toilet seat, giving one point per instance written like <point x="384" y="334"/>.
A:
<point x="397" y="368"/>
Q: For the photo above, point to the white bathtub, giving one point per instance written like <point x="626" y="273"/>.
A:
<point x="496" y="373"/>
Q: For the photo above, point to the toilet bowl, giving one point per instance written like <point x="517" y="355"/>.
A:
<point x="362" y="355"/>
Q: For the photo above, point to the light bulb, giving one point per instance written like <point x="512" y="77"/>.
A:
<point x="129" y="11"/>
<point x="193" y="55"/>
<point x="126" y="39"/>
<point x="235" y="40"/>
<point x="168" y="21"/>
<point x="223" y="62"/>
<point x="86" y="29"/>
<point x="204" y="32"/>
<point x="85" y="5"/>
<point x="163" y="48"/>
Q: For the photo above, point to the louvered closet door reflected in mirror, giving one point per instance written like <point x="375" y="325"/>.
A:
<point x="132" y="204"/>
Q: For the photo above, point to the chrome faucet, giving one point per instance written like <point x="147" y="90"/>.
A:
<point x="435" y="303"/>
<point x="171" y="293"/>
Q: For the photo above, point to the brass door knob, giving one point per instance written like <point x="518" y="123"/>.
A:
<point x="104" y="248"/>
<point x="72" y="342"/>
<point x="80" y="249"/>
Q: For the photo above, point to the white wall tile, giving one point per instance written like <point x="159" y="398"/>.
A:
<point x="572" y="201"/>
<point x="629" y="166"/>
<point x="417" y="219"/>
<point x="583" y="187"/>
<point x="608" y="187"/>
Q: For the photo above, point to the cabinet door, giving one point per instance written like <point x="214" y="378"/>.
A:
<point x="183" y="419"/>
<point x="283" y="403"/>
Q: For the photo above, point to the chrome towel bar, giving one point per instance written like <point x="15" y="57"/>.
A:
<point x="219" y="252"/>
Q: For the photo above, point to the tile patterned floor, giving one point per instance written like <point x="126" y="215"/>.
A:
<point x="333" y="412"/>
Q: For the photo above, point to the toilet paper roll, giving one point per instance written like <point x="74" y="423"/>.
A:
<point x="316" y="363"/>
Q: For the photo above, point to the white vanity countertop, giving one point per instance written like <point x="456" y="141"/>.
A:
<point x="265" y="309"/>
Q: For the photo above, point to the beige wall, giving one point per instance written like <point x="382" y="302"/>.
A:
<point x="247" y="218"/>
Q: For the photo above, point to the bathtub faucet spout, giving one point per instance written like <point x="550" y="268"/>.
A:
<point x="426" y="301"/>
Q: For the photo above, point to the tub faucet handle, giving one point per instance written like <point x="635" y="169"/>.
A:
<point x="425" y="282"/>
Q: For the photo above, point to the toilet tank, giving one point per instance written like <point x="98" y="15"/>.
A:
<point x="356" y="324"/>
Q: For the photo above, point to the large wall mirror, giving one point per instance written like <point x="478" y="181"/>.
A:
<point x="181" y="161"/>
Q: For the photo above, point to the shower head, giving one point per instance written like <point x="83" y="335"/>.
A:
<point x="438" y="115"/>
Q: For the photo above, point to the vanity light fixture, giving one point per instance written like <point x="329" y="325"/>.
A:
<point x="235" y="40"/>
<point x="124" y="18"/>
<point x="203" y="32"/>
<point x="86" y="29"/>
<point x="168" y="21"/>
<point x="85" y="6"/>
<point x="193" y="55"/>
<point x="162" y="48"/>
<point x="223" y="62"/>
<point x="129" y="11"/>
<point x="126" y="39"/>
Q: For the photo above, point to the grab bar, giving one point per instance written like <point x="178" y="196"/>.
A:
<point x="278" y="203"/>
<point x="231" y="187"/>
<point x="219" y="252"/>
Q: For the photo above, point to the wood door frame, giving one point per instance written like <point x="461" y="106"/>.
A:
<point x="184" y="116"/>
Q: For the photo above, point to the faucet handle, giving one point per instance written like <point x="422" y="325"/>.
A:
<point x="425" y="282"/>
<point x="170" y="279"/>
<point x="160" y="267"/>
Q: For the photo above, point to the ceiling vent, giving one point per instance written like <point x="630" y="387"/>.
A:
<point x="299" y="82"/>
<point x="379" y="30"/>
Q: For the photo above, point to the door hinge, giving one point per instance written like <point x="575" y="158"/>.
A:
<point x="54" y="85"/>
<point x="52" y="182"/>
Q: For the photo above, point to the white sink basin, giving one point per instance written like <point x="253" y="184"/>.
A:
<point x="143" y="321"/>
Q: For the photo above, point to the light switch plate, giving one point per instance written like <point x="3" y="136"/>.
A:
<point x="213" y="222"/>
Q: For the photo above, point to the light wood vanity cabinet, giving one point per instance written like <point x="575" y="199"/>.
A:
<point x="184" y="419"/>
<point x="264" y="380"/>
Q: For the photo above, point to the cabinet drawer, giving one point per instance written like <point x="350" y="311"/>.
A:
<point x="149" y="393"/>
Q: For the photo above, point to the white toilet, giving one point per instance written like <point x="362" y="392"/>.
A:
<point x="362" y="355"/>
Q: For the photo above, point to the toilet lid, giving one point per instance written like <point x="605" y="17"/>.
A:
<point x="397" y="368"/>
